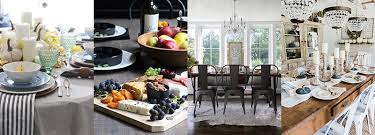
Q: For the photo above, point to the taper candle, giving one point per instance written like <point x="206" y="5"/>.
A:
<point x="347" y="47"/>
<point x="342" y="54"/>
<point x="336" y="53"/>
<point x="316" y="57"/>
<point x="331" y="60"/>
<point x="325" y="48"/>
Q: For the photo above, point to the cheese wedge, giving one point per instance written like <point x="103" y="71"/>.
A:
<point x="135" y="106"/>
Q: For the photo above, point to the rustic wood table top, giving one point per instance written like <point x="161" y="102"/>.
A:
<point x="314" y="111"/>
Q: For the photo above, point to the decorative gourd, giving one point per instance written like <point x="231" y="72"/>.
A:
<point x="10" y="53"/>
<point x="40" y="43"/>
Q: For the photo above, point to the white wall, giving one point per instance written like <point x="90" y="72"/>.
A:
<point x="220" y="10"/>
<point x="332" y="36"/>
<point x="75" y="13"/>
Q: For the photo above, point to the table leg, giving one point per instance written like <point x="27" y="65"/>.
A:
<point x="274" y="94"/>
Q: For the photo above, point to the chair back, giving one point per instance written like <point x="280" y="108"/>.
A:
<point x="265" y="75"/>
<point x="234" y="75"/>
<point x="349" y="112"/>
<point x="203" y="76"/>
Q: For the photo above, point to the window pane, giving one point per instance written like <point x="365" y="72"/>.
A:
<point x="206" y="56"/>
<point x="211" y="38"/>
<point x="192" y="42"/>
<point x="259" y="46"/>
<point x="278" y="47"/>
<point x="215" y="56"/>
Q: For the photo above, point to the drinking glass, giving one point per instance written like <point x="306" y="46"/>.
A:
<point x="68" y="41"/>
<point x="48" y="58"/>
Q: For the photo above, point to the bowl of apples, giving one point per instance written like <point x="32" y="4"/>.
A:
<point x="168" y="46"/>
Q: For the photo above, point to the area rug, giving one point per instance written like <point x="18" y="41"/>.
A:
<point x="264" y="116"/>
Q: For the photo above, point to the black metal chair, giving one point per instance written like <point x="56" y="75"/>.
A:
<point x="204" y="88"/>
<point x="234" y="87"/>
<point x="264" y="86"/>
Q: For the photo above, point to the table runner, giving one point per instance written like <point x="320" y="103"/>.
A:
<point x="17" y="114"/>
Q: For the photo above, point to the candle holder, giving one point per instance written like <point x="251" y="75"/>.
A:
<point x="347" y="63"/>
<point x="336" y="74"/>
<point x="342" y="61"/>
<point x="315" y="81"/>
<point x="325" y="76"/>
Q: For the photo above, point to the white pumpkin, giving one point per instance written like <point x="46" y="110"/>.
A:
<point x="10" y="53"/>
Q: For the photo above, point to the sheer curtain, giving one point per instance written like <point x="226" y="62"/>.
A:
<point x="75" y="13"/>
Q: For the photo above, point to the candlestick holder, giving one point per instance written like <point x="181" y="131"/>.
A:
<point x="347" y="63"/>
<point x="325" y="76"/>
<point x="336" y="74"/>
<point x="342" y="66"/>
<point x="315" y="81"/>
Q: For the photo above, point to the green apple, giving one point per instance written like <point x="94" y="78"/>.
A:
<point x="152" y="41"/>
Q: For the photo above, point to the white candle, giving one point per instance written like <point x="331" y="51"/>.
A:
<point x="342" y="54"/>
<point x="316" y="57"/>
<point x="29" y="49"/>
<point x="331" y="60"/>
<point x="325" y="48"/>
<point x="336" y="53"/>
<point x="27" y="17"/>
<point x="22" y="31"/>
<point x="347" y="47"/>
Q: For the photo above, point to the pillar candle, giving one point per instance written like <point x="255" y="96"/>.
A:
<point x="27" y="17"/>
<point x="38" y="20"/>
<point x="342" y="54"/>
<point x="331" y="60"/>
<point x="336" y="53"/>
<point x="29" y="49"/>
<point x="325" y="48"/>
<point x="316" y="57"/>
<point x="347" y="47"/>
<point x="22" y="31"/>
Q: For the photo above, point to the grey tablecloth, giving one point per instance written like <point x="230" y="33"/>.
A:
<point x="67" y="115"/>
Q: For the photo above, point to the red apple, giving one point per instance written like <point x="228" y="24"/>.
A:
<point x="166" y="31"/>
<point x="175" y="31"/>
<point x="169" y="44"/>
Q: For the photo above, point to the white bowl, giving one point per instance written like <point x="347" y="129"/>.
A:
<point x="29" y="70"/>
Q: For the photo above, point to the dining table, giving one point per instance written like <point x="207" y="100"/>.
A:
<point x="242" y="75"/>
<point x="309" y="116"/>
<point x="66" y="115"/>
<point x="108" y="125"/>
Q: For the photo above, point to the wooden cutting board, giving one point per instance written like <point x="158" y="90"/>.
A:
<point x="142" y="121"/>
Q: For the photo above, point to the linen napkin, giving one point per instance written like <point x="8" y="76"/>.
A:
<point x="17" y="114"/>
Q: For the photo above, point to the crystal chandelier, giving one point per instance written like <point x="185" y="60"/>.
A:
<point x="297" y="10"/>
<point x="235" y="25"/>
<point x="336" y="16"/>
<point x="356" y="22"/>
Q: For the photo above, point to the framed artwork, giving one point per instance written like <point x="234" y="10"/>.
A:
<point x="366" y="33"/>
<point x="235" y="53"/>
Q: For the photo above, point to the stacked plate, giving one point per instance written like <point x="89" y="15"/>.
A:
<point x="82" y="59"/>
<point x="41" y="83"/>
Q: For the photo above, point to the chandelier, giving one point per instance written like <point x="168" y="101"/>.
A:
<point x="235" y="25"/>
<point x="336" y="16"/>
<point x="356" y="22"/>
<point x="297" y="10"/>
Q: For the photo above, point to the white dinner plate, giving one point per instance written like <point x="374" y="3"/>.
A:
<point x="128" y="59"/>
<point x="51" y="83"/>
<point x="119" y="31"/>
<point x="367" y="72"/>
<point x="350" y="79"/>
<point x="325" y="95"/>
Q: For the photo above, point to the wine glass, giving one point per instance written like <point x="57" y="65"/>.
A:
<point x="68" y="41"/>
<point x="48" y="58"/>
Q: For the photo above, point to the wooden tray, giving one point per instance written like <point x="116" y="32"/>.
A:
<point x="144" y="121"/>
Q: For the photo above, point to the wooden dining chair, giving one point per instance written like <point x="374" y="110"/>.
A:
<point x="234" y="87"/>
<point x="204" y="88"/>
<point x="264" y="87"/>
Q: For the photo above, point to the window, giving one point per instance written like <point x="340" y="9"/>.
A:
<point x="260" y="43"/>
<point x="211" y="46"/>
<point x="192" y="41"/>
